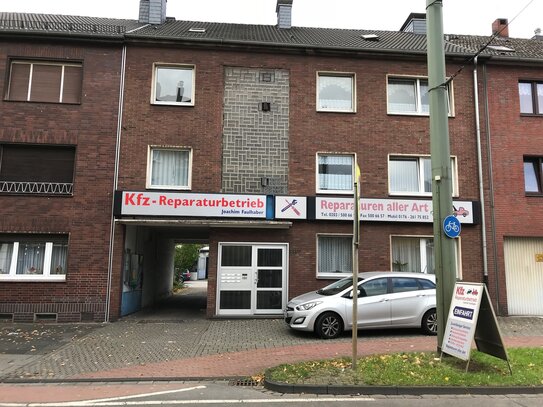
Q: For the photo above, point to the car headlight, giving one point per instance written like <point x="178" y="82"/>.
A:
<point x="308" y="305"/>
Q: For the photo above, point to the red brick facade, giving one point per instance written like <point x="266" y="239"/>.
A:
<point x="99" y="246"/>
<point x="85" y="216"/>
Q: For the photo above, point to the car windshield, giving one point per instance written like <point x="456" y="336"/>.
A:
<point x="337" y="287"/>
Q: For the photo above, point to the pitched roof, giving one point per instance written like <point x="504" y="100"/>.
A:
<point x="247" y="35"/>
<point x="49" y="24"/>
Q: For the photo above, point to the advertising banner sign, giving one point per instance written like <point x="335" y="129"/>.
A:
<point x="387" y="210"/>
<point x="189" y="204"/>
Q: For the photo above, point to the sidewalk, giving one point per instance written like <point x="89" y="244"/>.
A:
<point x="185" y="347"/>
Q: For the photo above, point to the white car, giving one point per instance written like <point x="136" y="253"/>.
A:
<point x="385" y="300"/>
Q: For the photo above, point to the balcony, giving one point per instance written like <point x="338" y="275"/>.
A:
<point x="36" y="188"/>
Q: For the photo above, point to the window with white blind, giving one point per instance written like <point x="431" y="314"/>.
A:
<point x="53" y="82"/>
<point x="335" y="173"/>
<point x="169" y="168"/>
<point x="412" y="175"/>
<point x="335" y="256"/>
<point x="33" y="258"/>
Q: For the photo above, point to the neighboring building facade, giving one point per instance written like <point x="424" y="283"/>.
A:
<point x="245" y="138"/>
<point x="510" y="78"/>
<point x="59" y="116"/>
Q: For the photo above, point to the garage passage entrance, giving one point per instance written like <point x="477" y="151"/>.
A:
<point x="149" y="274"/>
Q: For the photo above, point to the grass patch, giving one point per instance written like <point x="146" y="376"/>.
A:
<point x="418" y="369"/>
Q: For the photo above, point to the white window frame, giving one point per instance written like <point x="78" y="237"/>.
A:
<point x="149" y="184"/>
<point x="317" y="173"/>
<point x="418" y="103"/>
<point x="420" y="192"/>
<point x="45" y="277"/>
<point x="323" y="275"/>
<point x="181" y="67"/>
<point x="423" y="257"/>
<point x="349" y="75"/>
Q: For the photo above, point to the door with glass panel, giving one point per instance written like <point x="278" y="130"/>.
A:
<point x="251" y="279"/>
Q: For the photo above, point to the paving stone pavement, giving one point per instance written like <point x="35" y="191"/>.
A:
<point x="189" y="346"/>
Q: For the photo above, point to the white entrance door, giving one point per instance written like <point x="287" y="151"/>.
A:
<point x="251" y="279"/>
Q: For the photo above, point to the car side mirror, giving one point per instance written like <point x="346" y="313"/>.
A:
<point x="359" y="294"/>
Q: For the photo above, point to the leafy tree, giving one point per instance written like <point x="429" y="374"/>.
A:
<point x="186" y="255"/>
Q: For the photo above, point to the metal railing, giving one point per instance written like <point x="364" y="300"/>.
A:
<point x="39" y="188"/>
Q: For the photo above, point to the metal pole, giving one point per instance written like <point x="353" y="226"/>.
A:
<point x="356" y="242"/>
<point x="445" y="262"/>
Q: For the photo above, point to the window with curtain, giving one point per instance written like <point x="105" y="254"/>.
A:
<point x="173" y="85"/>
<point x="531" y="97"/>
<point x="54" y="82"/>
<point x="335" y="173"/>
<point x="30" y="258"/>
<point x="169" y="168"/>
<point x="416" y="254"/>
<point x="411" y="175"/>
<point x="6" y="253"/>
<point x="410" y="96"/>
<point x="533" y="170"/>
<point x="335" y="92"/>
<point x="335" y="255"/>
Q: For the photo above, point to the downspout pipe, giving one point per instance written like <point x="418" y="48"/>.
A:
<point x="480" y="170"/>
<point x="115" y="183"/>
<point x="491" y="192"/>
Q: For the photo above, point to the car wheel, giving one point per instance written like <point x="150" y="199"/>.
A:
<point x="429" y="322"/>
<point x="329" y="325"/>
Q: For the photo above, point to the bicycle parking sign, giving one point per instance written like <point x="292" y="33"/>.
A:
<point x="451" y="226"/>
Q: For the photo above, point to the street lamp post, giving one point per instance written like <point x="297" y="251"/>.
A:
<point x="444" y="250"/>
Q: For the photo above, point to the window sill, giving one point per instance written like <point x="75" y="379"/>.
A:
<point x="336" y="192"/>
<point x="333" y="276"/>
<point x="180" y="104"/>
<point x="33" y="278"/>
<point x="336" y="111"/>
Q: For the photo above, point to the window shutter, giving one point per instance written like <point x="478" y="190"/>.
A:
<point x="46" y="80"/>
<point x="18" y="85"/>
<point x="72" y="84"/>
<point x="37" y="164"/>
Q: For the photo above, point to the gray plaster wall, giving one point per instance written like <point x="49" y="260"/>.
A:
<point x="255" y="141"/>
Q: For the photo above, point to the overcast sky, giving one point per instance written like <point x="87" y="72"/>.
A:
<point x="473" y="17"/>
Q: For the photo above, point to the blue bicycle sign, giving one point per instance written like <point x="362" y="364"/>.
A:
<point x="451" y="226"/>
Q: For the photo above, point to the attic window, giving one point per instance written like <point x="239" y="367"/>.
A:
<point x="197" y="30"/>
<point x="370" y="37"/>
<point x="501" y="48"/>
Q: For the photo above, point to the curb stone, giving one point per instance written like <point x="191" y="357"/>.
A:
<point x="395" y="390"/>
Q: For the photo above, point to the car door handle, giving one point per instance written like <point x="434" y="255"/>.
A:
<point x="384" y="300"/>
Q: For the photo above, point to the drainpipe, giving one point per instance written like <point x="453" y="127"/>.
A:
<point x="115" y="182"/>
<point x="480" y="171"/>
<point x="491" y="192"/>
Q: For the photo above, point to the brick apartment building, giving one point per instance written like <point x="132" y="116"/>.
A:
<point x="245" y="138"/>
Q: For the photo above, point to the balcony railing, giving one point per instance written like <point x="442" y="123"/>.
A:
<point x="38" y="188"/>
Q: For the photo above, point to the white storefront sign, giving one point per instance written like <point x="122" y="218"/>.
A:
<point x="189" y="204"/>
<point x="387" y="210"/>
<point x="290" y="207"/>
